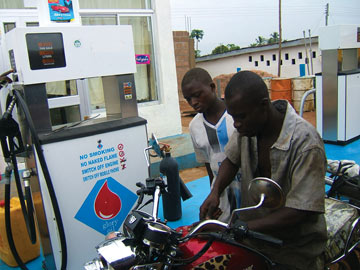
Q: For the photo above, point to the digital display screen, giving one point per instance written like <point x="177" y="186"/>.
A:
<point x="45" y="50"/>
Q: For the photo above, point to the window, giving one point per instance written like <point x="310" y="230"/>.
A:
<point x="63" y="115"/>
<point x="8" y="26"/>
<point x="145" y="76"/>
<point x="12" y="4"/>
<point x="32" y="24"/>
<point x="64" y="102"/>
<point x="250" y="58"/>
<point x="293" y="61"/>
<point x="274" y="57"/>
<point x="313" y="54"/>
<point x="256" y="63"/>
<point x="267" y="62"/>
<point x="281" y="62"/>
<point x="286" y="56"/>
<point x="115" y="4"/>
<point x="300" y="55"/>
<point x="261" y="58"/>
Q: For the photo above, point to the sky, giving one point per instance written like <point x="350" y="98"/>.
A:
<point x="241" y="22"/>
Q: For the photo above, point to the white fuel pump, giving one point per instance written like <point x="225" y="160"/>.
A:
<point x="94" y="164"/>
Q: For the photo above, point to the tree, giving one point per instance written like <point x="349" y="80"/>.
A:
<point x="225" y="48"/>
<point x="197" y="53"/>
<point x="220" y="49"/>
<point x="233" y="47"/>
<point x="260" y="41"/>
<point x="274" y="38"/>
<point x="198" y="35"/>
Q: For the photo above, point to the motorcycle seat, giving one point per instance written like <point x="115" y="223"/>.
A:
<point x="343" y="229"/>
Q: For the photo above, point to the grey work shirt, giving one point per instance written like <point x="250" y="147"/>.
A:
<point x="298" y="165"/>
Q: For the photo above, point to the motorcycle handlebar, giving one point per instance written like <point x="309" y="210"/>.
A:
<point x="242" y="231"/>
<point x="265" y="237"/>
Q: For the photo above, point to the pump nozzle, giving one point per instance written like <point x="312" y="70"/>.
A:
<point x="4" y="79"/>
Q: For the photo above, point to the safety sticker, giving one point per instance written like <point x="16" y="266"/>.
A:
<point x="106" y="206"/>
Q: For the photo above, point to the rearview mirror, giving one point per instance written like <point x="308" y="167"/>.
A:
<point x="273" y="194"/>
<point x="266" y="192"/>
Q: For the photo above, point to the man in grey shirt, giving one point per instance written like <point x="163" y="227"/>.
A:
<point x="273" y="141"/>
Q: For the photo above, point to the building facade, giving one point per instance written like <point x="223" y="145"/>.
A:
<point x="265" y="58"/>
<point x="156" y="81"/>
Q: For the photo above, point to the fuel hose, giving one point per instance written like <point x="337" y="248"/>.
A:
<point x="8" y="221"/>
<point x="45" y="170"/>
<point x="27" y="210"/>
<point x="10" y="148"/>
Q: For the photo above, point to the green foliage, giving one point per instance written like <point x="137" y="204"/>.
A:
<point x="197" y="53"/>
<point x="260" y="40"/>
<point x="274" y="38"/>
<point x="197" y="34"/>
<point x="225" y="48"/>
<point x="220" y="49"/>
<point x="233" y="47"/>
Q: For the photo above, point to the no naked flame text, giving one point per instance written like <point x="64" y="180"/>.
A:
<point x="102" y="163"/>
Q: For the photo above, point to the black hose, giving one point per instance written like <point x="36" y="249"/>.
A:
<point x="30" y="212"/>
<point x="52" y="195"/>
<point x="8" y="226"/>
<point x="27" y="210"/>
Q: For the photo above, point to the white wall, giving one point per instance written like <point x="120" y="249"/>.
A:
<point x="230" y="64"/>
<point x="164" y="118"/>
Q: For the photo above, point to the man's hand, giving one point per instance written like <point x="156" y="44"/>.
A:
<point x="210" y="207"/>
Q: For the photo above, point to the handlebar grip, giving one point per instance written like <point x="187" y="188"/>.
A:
<point x="265" y="237"/>
<point x="139" y="184"/>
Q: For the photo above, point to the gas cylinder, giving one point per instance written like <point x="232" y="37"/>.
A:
<point x="171" y="199"/>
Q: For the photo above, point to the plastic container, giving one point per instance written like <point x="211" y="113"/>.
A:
<point x="281" y="89"/>
<point x="25" y="249"/>
<point x="299" y="87"/>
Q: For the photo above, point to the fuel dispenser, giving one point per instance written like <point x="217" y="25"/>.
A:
<point x="338" y="85"/>
<point x="83" y="175"/>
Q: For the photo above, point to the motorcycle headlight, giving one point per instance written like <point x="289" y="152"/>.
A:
<point x="95" y="264"/>
<point x="116" y="253"/>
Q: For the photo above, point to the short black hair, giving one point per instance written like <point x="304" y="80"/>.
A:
<point x="249" y="84"/>
<point x="198" y="74"/>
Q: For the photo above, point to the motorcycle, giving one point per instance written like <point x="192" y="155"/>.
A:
<point x="148" y="243"/>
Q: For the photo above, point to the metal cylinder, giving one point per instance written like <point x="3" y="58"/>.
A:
<point x="171" y="199"/>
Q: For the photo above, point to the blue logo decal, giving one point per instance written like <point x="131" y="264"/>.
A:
<point x="106" y="206"/>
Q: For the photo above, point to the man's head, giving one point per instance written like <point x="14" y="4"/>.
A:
<point x="198" y="89"/>
<point x="247" y="101"/>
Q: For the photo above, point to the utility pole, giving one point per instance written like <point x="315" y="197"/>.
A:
<point x="311" y="56"/>
<point x="280" y="38"/>
<point x="306" y="53"/>
<point x="326" y="14"/>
